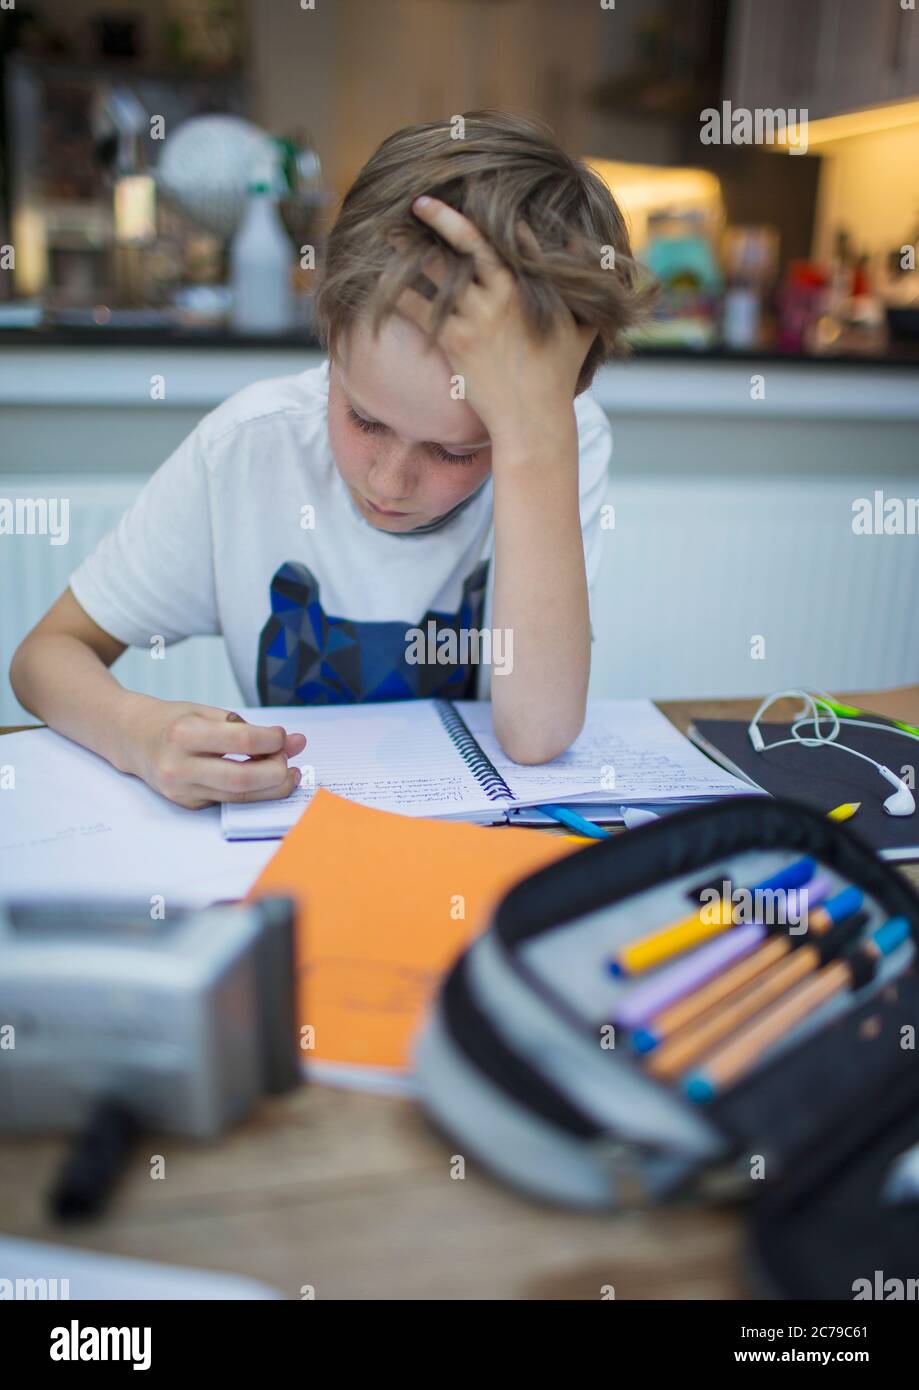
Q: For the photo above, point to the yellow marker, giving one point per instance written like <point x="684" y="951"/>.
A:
<point x="580" y="839"/>
<point x="706" y="921"/>
<point x="845" y="811"/>
<point x="691" y="931"/>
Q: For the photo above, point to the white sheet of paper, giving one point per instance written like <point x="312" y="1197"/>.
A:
<point x="399" y="757"/>
<point x="71" y="825"/>
<point x="62" y="1272"/>
<point x="628" y="751"/>
<point x="395" y="756"/>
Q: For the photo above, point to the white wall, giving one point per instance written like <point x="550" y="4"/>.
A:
<point x="353" y="71"/>
<point x="870" y="186"/>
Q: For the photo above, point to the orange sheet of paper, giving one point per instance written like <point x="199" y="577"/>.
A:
<point x="386" y="904"/>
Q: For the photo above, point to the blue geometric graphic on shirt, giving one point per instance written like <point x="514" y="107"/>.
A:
<point x="307" y="656"/>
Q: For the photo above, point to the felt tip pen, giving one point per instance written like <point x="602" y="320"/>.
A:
<point x="742" y="1052"/>
<point x="844" y="812"/>
<point x="705" y="922"/>
<point x="688" y="1044"/>
<point x="680" y="992"/>
<point x="588" y="828"/>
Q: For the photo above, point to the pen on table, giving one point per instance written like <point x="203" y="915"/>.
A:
<point x="691" y="931"/>
<point x="845" y="811"/>
<point x="587" y="828"/>
<point x="853" y="712"/>
<point x="688" y="1044"/>
<point x="683" y="980"/>
<point x="741" y="1053"/>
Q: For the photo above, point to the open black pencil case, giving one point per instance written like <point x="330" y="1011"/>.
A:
<point x="513" y="1060"/>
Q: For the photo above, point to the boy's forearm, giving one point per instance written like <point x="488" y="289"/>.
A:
<point x="63" y="682"/>
<point x="540" y="587"/>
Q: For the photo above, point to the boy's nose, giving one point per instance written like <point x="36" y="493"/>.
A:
<point x="392" y="476"/>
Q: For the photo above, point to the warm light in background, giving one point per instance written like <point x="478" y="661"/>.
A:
<point x="31" y="243"/>
<point x="855" y="123"/>
<point x="641" y="189"/>
<point x="135" y="209"/>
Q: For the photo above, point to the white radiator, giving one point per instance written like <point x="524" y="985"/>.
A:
<point x="692" y="574"/>
<point x="695" y="571"/>
<point x="33" y="572"/>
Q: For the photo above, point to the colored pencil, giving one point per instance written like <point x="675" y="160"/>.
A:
<point x="706" y="922"/>
<point x="688" y="1044"/>
<point x="743" y="1052"/>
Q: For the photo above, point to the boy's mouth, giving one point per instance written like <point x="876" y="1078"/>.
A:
<point x="382" y="511"/>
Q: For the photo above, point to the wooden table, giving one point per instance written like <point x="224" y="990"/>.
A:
<point x="352" y="1194"/>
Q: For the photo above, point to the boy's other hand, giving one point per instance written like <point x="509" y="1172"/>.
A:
<point x="180" y="750"/>
<point x="512" y="378"/>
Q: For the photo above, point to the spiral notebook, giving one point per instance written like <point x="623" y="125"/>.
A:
<point x="441" y="759"/>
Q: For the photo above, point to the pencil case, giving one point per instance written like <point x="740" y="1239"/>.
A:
<point x="520" y="1062"/>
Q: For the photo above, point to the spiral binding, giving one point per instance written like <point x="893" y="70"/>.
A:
<point x="479" y="764"/>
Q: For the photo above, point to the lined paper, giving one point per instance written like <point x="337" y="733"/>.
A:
<point x="395" y="756"/>
<point x="399" y="757"/>
<point x="628" y="752"/>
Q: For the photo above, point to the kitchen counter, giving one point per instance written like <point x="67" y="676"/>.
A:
<point x="903" y="353"/>
<point x="113" y="367"/>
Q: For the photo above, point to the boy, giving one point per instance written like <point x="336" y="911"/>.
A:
<point x="441" y="468"/>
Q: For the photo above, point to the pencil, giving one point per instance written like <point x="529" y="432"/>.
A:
<point x="743" y="1052"/>
<point x="647" y="1000"/>
<point x="688" y="1044"/>
<point x="683" y="1011"/>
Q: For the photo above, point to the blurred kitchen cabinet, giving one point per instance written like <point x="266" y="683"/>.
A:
<point x="829" y="56"/>
<point x="909" y="27"/>
<point x="777" y="53"/>
<point x="869" y="51"/>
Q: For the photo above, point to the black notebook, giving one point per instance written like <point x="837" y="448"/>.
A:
<point x="824" y="777"/>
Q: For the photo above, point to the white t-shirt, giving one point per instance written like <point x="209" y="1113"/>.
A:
<point x="249" y="530"/>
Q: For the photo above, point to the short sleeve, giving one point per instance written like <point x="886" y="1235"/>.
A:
<point x="153" y="575"/>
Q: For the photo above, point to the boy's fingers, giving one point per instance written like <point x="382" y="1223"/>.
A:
<point x="294" y="744"/>
<point x="255" y="774"/>
<point x="527" y="238"/>
<point x="434" y="269"/>
<point x="275" y="792"/>
<point x="462" y="234"/>
<point x="250" y="740"/>
<point x="209" y="796"/>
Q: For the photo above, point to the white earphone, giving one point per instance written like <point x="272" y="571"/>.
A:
<point x="900" y="803"/>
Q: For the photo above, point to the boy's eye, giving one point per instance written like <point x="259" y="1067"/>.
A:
<point x="441" y="453"/>
<point x="368" y="426"/>
<point x="375" y="427"/>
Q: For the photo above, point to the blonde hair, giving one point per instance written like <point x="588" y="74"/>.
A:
<point x="506" y="169"/>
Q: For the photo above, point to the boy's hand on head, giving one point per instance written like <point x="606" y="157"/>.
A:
<point x="180" y="750"/>
<point x="514" y="379"/>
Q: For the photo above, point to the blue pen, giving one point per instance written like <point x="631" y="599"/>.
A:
<point x="575" y="822"/>
<point x="684" y="935"/>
